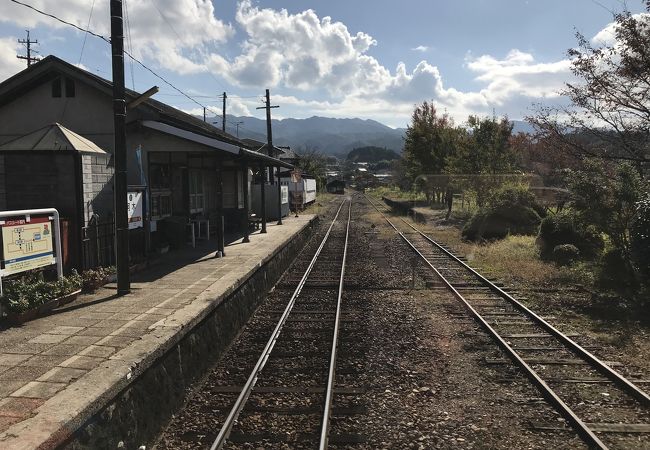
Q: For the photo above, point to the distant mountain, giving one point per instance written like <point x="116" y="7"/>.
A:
<point x="327" y="135"/>
<point x="330" y="136"/>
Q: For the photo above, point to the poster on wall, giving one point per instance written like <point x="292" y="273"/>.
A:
<point x="27" y="245"/>
<point x="284" y="197"/>
<point x="134" y="210"/>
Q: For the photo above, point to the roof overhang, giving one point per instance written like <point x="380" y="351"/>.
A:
<point x="191" y="136"/>
<point x="267" y="160"/>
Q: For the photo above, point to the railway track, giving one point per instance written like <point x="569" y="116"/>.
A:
<point x="288" y="398"/>
<point x="605" y="408"/>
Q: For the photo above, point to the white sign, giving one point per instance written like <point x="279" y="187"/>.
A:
<point x="284" y="197"/>
<point x="134" y="210"/>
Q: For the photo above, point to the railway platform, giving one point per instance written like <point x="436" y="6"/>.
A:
<point x="105" y="368"/>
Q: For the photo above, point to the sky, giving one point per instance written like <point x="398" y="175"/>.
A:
<point x="372" y="59"/>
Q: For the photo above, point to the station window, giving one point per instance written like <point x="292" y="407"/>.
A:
<point x="159" y="175"/>
<point x="56" y="88"/>
<point x="196" y="191"/>
<point x="161" y="205"/>
<point x="69" y="88"/>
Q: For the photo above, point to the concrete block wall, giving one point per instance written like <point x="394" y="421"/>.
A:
<point x="97" y="175"/>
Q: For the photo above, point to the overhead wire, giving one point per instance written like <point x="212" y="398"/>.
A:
<point x="129" y="41"/>
<point x="126" y="52"/>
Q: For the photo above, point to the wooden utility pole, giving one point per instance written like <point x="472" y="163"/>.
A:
<point x="28" y="43"/>
<point x="269" y="144"/>
<point x="119" y="119"/>
<point x="223" y="114"/>
<point x="269" y="135"/>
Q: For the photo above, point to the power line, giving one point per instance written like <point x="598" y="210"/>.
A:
<point x="140" y="63"/>
<point x="62" y="21"/>
<point x="129" y="41"/>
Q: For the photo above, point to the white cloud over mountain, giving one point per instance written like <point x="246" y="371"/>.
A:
<point x="302" y="52"/>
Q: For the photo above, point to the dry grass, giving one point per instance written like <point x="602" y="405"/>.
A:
<point x="323" y="199"/>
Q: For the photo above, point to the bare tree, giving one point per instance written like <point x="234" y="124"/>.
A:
<point x="609" y="114"/>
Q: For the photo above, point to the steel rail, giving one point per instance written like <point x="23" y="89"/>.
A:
<point x="581" y="427"/>
<point x="261" y="362"/>
<point x="329" y="391"/>
<point x="599" y="365"/>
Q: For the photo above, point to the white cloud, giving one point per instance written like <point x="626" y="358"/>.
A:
<point x="518" y="74"/>
<point x="301" y="51"/>
<point x="420" y="48"/>
<point x="9" y="64"/>
<point x="177" y="34"/>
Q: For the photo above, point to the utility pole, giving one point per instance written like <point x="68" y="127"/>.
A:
<point x="237" y="125"/>
<point x="119" y="117"/>
<point x="28" y="43"/>
<point x="204" y="113"/>
<point x="269" y="137"/>
<point x="223" y="118"/>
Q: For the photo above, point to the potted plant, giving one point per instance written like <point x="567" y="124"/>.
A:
<point x="92" y="279"/>
<point x="30" y="296"/>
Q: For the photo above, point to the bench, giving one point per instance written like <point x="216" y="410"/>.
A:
<point x="254" y="222"/>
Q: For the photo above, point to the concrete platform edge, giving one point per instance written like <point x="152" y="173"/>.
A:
<point x="99" y="391"/>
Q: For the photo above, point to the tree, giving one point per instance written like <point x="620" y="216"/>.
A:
<point x="609" y="114"/>
<point x="607" y="198"/>
<point x="483" y="151"/>
<point x="314" y="163"/>
<point x="429" y="141"/>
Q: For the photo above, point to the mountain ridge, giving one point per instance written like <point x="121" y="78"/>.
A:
<point x="328" y="135"/>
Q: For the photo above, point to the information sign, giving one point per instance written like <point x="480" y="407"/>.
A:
<point x="284" y="197"/>
<point x="27" y="245"/>
<point x="134" y="209"/>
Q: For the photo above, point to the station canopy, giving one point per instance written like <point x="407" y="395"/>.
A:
<point x="53" y="137"/>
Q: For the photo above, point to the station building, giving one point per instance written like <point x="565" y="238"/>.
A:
<point x="194" y="180"/>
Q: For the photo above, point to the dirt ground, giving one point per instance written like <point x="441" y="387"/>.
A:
<point x="617" y="335"/>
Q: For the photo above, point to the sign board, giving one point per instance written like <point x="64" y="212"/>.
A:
<point x="134" y="209"/>
<point x="27" y="245"/>
<point x="284" y="197"/>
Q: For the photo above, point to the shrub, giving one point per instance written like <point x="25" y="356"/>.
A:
<point x="565" y="254"/>
<point x="640" y="238"/>
<point x="566" y="228"/>
<point x="31" y="291"/>
<point x="614" y="272"/>
<point x="94" y="278"/>
<point x="498" y="222"/>
<point x="513" y="196"/>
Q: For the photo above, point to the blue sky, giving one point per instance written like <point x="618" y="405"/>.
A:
<point x="340" y="58"/>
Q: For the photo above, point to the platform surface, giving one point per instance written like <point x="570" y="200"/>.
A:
<point x="53" y="368"/>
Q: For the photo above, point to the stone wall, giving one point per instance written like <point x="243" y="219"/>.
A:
<point x="137" y="415"/>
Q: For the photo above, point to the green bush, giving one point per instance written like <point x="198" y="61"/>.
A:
<point x="640" y="238"/>
<point x="31" y="291"/>
<point x="614" y="272"/>
<point x="513" y="196"/>
<point x="565" y="254"/>
<point x="498" y="222"/>
<point x="566" y="228"/>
